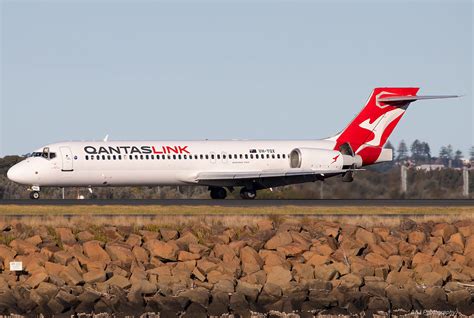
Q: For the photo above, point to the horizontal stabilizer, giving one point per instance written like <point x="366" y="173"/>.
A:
<point x="394" y="99"/>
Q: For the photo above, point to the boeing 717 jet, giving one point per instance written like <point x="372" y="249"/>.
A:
<point x="222" y="166"/>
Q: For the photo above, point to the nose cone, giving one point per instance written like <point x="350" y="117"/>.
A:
<point x="18" y="174"/>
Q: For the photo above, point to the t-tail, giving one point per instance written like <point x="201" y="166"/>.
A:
<point x="368" y="132"/>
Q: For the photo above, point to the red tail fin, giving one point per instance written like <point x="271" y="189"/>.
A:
<point x="370" y="129"/>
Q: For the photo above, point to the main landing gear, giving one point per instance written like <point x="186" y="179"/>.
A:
<point x="248" y="194"/>
<point x="218" y="193"/>
<point x="35" y="193"/>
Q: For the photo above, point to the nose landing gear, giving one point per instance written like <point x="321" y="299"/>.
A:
<point x="35" y="193"/>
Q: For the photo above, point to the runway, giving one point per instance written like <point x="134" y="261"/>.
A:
<point x="247" y="203"/>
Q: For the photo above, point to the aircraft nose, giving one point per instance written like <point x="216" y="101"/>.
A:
<point x="12" y="173"/>
<point x="17" y="174"/>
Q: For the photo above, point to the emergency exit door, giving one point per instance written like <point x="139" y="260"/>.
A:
<point x="66" y="156"/>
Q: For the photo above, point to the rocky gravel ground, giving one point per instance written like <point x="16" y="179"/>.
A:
<point x="305" y="266"/>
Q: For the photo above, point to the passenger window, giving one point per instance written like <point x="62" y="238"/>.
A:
<point x="179" y="157"/>
<point x="92" y="157"/>
<point x="207" y="156"/>
<point x="130" y="157"/>
<point x="256" y="156"/>
<point x="87" y="157"/>
<point x="283" y="155"/>
<point x="169" y="157"/>
<point x="240" y="156"/>
<point x="114" y="157"/>
<point x="185" y="157"/>
<point x="278" y="156"/>
<point x="201" y="156"/>
<point x="268" y="156"/>
<point x="98" y="157"/>
<point x="212" y="156"/>
<point x="152" y="157"/>
<point x="146" y="157"/>
<point x="136" y="157"/>
<point x="103" y="157"/>
<point x="273" y="156"/>
<point x="251" y="156"/>
<point x="218" y="156"/>
<point x="163" y="157"/>
<point x="174" y="157"/>
<point x="246" y="156"/>
<point x="223" y="156"/>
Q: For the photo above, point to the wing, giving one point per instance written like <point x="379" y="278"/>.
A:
<point x="264" y="178"/>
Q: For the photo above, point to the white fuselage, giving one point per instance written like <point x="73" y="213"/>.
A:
<point x="129" y="163"/>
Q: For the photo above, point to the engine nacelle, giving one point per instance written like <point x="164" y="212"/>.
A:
<point x="322" y="159"/>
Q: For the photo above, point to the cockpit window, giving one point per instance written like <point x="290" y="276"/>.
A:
<point x="46" y="155"/>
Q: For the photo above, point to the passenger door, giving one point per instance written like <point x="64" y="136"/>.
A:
<point x="67" y="159"/>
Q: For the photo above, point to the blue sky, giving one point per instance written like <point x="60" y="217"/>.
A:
<point x="220" y="70"/>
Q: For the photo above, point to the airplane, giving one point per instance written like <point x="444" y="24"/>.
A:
<point x="222" y="166"/>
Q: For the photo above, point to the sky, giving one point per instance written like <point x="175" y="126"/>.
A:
<point x="151" y="70"/>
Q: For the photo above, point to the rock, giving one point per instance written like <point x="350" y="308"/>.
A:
<point x="400" y="278"/>
<point x="258" y="278"/>
<point x="162" y="250"/>
<point x="265" y="225"/>
<point x="119" y="281"/>
<point x="187" y="256"/>
<point x="251" y="261"/>
<point x="94" y="276"/>
<point x="168" y="234"/>
<point x="47" y="290"/>
<point x="223" y="286"/>
<point x="197" y="295"/>
<point x="23" y="247"/>
<point x="292" y="249"/>
<point x="459" y="298"/>
<point x="416" y="237"/>
<point x="322" y="249"/>
<point x="186" y="239"/>
<point x="303" y="272"/>
<point x="278" y="276"/>
<point x="325" y="272"/>
<point x="456" y="242"/>
<point x="399" y="298"/>
<point x="280" y="239"/>
<point x="407" y="249"/>
<point x="85" y="236"/>
<point x="141" y="255"/>
<point x="432" y="279"/>
<point x="207" y="265"/>
<point x="215" y="276"/>
<point x="374" y="288"/>
<point x="71" y="276"/>
<point x="198" y="248"/>
<point x="443" y="230"/>
<point x="423" y="258"/>
<point x="407" y="224"/>
<point x="341" y="268"/>
<point x="7" y="254"/>
<point x="94" y="251"/>
<point x="35" y="240"/>
<point x="120" y="252"/>
<point x="378" y="304"/>
<point x="35" y="279"/>
<point x="350" y="281"/>
<point x="251" y="291"/>
<point x="366" y="237"/>
<point x="376" y="259"/>
<point x="318" y="260"/>
<point x="62" y="257"/>
<point x="65" y="235"/>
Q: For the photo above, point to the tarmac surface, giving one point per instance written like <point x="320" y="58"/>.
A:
<point x="249" y="203"/>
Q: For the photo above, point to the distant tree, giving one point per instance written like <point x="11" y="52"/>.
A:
<point x="471" y="154"/>
<point x="457" y="162"/>
<point x="402" y="151"/>
<point x="446" y="154"/>
<point x="420" y="152"/>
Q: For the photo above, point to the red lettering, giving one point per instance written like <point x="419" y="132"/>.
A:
<point x="183" y="149"/>
<point x="172" y="149"/>
<point x="155" y="151"/>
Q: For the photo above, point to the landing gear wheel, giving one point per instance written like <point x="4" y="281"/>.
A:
<point x="218" y="193"/>
<point x="34" y="195"/>
<point x="247" y="194"/>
